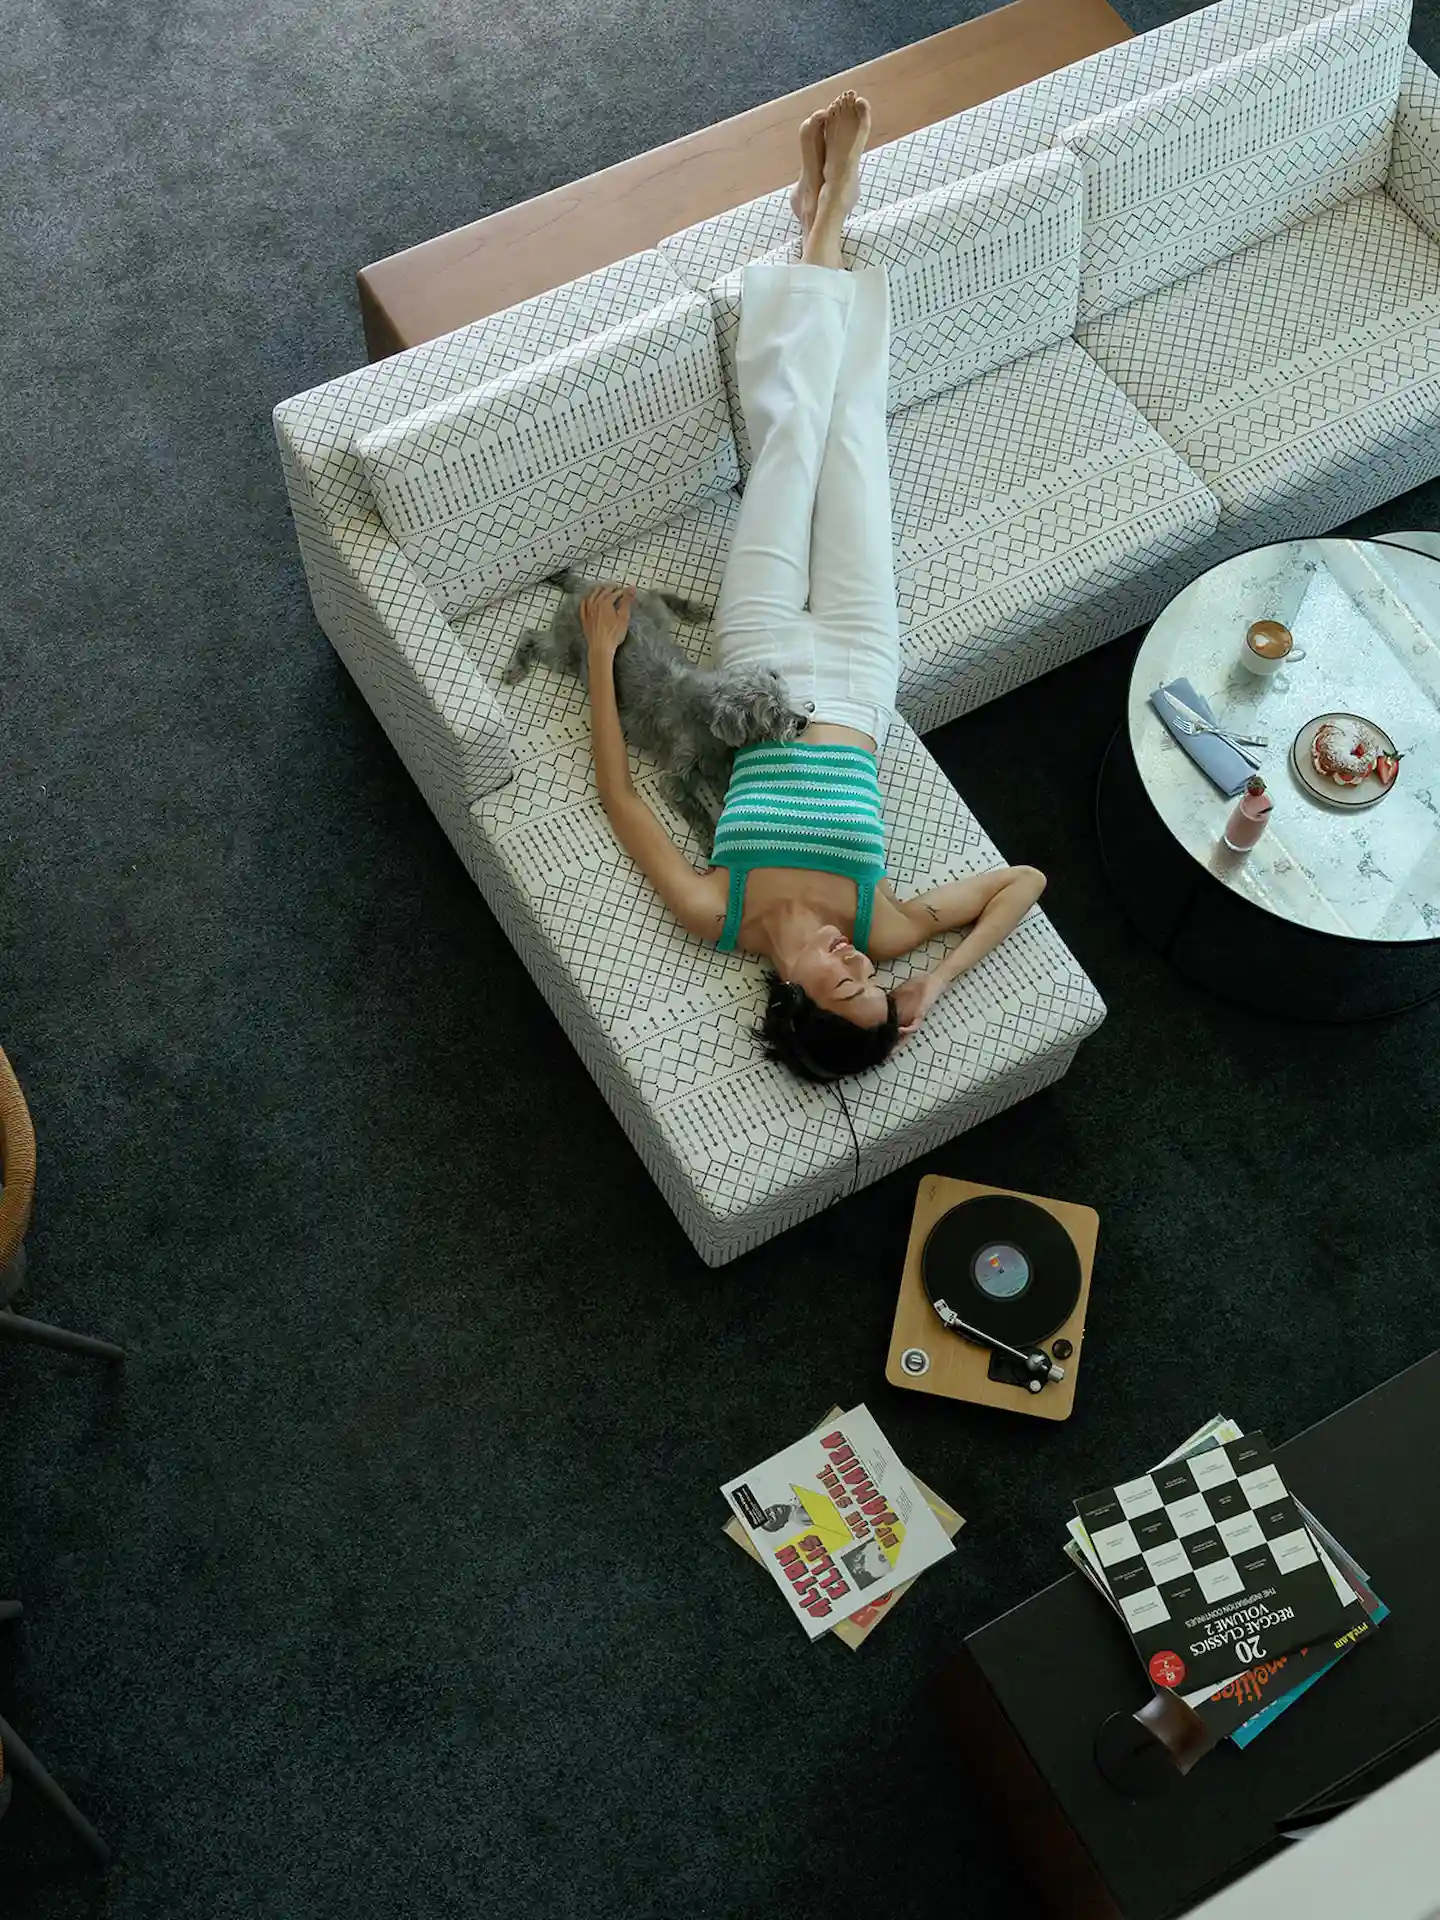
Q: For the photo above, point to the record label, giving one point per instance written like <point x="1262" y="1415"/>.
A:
<point x="1001" y="1272"/>
<point x="1006" y="1266"/>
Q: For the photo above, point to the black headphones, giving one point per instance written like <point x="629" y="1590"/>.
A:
<point x="796" y="1000"/>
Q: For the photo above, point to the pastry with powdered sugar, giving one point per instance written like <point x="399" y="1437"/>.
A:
<point x="1344" y="752"/>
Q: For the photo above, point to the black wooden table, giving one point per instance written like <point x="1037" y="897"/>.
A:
<point x="1028" y="1692"/>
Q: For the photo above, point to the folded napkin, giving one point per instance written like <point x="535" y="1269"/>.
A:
<point x="1225" y="766"/>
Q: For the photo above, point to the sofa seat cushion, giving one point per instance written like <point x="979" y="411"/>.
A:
<point x="1034" y="492"/>
<point x="1294" y="374"/>
<point x="492" y="489"/>
<point x="1179" y="179"/>
<point x="739" y="1146"/>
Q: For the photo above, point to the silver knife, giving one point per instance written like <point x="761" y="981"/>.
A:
<point x="1210" y="726"/>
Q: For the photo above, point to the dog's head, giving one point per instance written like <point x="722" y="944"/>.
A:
<point x="754" y="704"/>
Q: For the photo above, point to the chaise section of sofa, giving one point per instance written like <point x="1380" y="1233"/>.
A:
<point x="740" y="1148"/>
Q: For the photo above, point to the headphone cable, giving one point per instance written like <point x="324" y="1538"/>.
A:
<point x="839" y="1091"/>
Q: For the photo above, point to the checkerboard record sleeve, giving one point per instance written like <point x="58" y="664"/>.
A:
<point x="1211" y="1565"/>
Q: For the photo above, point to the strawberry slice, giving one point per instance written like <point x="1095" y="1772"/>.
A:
<point x="1387" y="765"/>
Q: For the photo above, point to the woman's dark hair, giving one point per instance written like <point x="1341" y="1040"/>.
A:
<point x="817" y="1044"/>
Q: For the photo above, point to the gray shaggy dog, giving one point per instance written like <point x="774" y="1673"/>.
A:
<point x="690" y="719"/>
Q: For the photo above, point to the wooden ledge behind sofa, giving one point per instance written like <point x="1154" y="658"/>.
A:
<point x="527" y="249"/>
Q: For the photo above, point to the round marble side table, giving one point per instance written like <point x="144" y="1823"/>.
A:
<point x="1335" y="915"/>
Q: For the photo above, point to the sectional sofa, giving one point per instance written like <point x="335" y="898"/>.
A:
<point x="1168" y="303"/>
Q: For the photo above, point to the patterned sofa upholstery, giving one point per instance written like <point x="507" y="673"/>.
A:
<point x="1268" y="305"/>
<point x="1179" y="297"/>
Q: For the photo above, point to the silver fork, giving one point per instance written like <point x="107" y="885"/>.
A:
<point x="1191" y="722"/>
<point x="1192" y="727"/>
<point x="1235" y="739"/>
<point x="1198" y="721"/>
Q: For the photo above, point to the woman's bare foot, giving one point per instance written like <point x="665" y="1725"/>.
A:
<point x="805" y="195"/>
<point x="847" y="127"/>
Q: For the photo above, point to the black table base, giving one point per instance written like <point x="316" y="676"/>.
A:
<point x="1223" y="942"/>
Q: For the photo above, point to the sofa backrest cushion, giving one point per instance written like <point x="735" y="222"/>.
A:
<point x="1184" y="177"/>
<point x="980" y="271"/>
<point x="492" y="489"/>
<point x="317" y="429"/>
<point x="1013" y="125"/>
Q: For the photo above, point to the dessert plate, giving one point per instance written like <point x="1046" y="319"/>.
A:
<point x="1367" y="792"/>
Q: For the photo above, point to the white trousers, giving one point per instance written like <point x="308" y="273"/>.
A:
<point x="809" y="584"/>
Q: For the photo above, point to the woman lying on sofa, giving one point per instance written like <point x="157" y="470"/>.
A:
<point x="809" y="589"/>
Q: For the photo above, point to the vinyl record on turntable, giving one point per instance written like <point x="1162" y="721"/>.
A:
<point x="993" y="1297"/>
<point x="1005" y="1266"/>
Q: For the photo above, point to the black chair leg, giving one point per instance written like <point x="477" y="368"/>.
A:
<point x="14" y="1326"/>
<point x="22" y="1762"/>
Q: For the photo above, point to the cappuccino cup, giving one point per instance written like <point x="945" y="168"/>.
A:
<point x="1268" y="647"/>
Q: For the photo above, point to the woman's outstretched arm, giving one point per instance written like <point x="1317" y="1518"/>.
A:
<point x="697" y="900"/>
<point x="990" y="905"/>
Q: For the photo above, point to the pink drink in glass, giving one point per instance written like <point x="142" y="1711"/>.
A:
<point x="1248" y="820"/>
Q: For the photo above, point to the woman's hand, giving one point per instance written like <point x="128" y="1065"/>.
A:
<point x="605" y="619"/>
<point x="913" y="1000"/>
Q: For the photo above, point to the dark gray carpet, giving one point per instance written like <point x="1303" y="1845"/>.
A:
<point x="390" y="1572"/>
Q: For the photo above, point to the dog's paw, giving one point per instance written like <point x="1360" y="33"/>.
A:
<point x="522" y="660"/>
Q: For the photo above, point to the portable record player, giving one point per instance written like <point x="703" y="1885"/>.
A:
<point x="993" y="1298"/>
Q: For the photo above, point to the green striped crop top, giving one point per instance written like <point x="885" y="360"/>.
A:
<point x="791" y="805"/>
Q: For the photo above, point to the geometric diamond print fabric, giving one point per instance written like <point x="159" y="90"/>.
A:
<point x="1009" y="127"/>
<point x="1301" y="377"/>
<point x="1414" y="178"/>
<point x="1179" y="180"/>
<point x="980" y="272"/>
<point x="495" y="488"/>
<point x="318" y="429"/>
<point x="1036" y="513"/>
